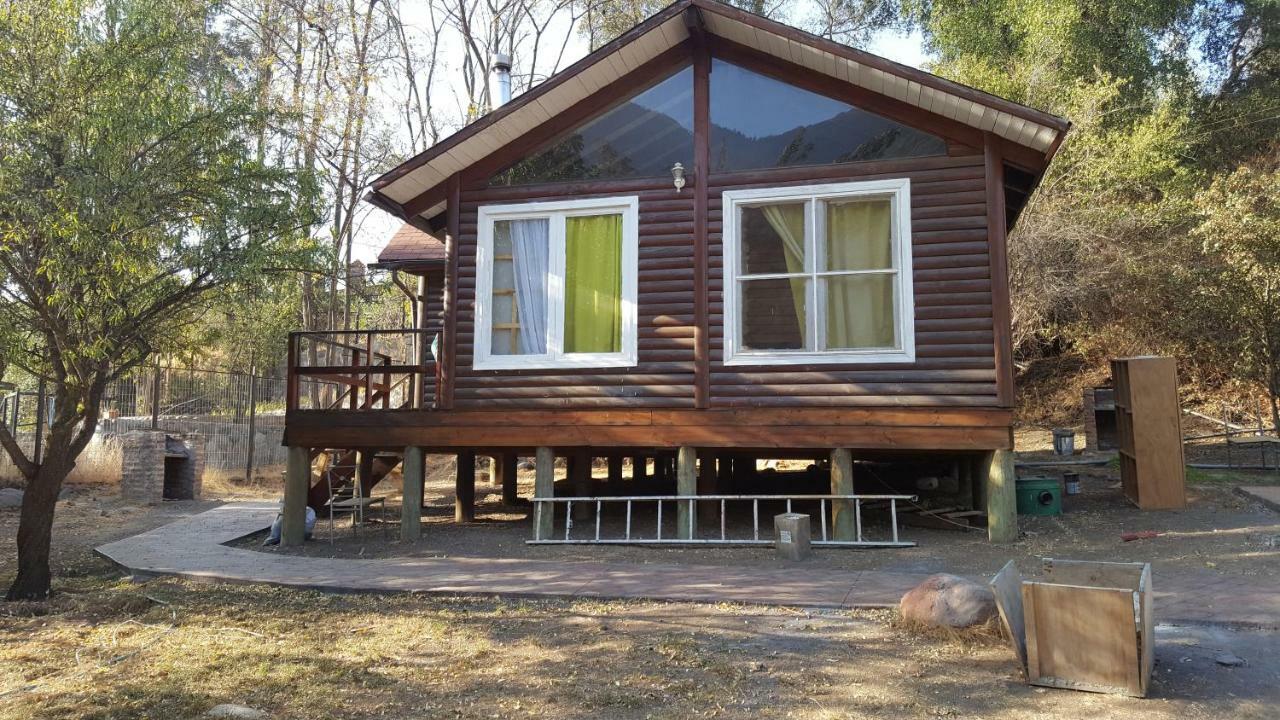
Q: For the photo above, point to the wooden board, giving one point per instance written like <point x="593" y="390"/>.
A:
<point x="1125" y="576"/>
<point x="1082" y="638"/>
<point x="1007" y="588"/>
<point x="1147" y="640"/>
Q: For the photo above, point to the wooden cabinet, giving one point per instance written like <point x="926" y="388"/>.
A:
<point x="1149" y="430"/>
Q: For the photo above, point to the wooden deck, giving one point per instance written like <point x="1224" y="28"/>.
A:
<point x="756" y="428"/>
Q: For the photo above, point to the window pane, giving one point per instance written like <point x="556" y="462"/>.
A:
<point x="773" y="314"/>
<point x="518" y="305"/>
<point x="642" y="137"/>
<point x="773" y="239"/>
<point x="860" y="311"/>
<point x="760" y="122"/>
<point x="859" y="235"/>
<point x="593" y="284"/>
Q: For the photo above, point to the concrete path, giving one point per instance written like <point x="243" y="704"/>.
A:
<point x="193" y="547"/>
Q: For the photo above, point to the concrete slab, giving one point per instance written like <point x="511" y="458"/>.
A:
<point x="1268" y="495"/>
<point x="194" y="547"/>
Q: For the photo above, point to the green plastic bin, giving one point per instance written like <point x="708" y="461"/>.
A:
<point x="1039" y="496"/>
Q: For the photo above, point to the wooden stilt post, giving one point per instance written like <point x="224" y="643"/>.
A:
<point x="709" y="511"/>
<point x="297" y="481"/>
<point x="414" y="469"/>
<point x="464" y="504"/>
<point x="639" y="468"/>
<point x="544" y="487"/>
<point x="506" y="466"/>
<point x="686" y="484"/>
<point x="843" y="525"/>
<point x="615" y="468"/>
<point x="1002" y="504"/>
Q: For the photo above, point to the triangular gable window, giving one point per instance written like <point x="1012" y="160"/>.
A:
<point x="641" y="137"/>
<point x="759" y="122"/>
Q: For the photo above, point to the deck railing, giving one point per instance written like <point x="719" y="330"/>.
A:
<point x="361" y="370"/>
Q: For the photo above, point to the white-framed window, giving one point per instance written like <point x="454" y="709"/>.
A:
<point x="556" y="284"/>
<point x="819" y="274"/>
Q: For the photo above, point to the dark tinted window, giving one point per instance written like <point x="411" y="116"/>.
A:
<point x="642" y="137"/>
<point x="759" y="122"/>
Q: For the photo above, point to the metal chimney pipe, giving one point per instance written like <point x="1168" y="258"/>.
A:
<point x="500" y="92"/>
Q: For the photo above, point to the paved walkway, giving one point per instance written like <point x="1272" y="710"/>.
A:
<point x="193" y="547"/>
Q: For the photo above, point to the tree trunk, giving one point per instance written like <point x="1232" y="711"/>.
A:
<point x="35" y="524"/>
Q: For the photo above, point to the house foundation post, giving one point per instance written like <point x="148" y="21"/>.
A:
<point x="414" y="469"/>
<point x="843" y="525"/>
<point x="578" y="469"/>
<point x="999" y="479"/>
<point x="506" y="467"/>
<point x="615" y="469"/>
<point x="544" y="487"/>
<point x="639" y="468"/>
<point x="686" y="484"/>
<point x="297" y="481"/>
<point x="464" y="504"/>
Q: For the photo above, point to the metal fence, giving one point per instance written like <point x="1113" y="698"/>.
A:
<point x="240" y="416"/>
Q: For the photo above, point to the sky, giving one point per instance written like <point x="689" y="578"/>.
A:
<point x="377" y="227"/>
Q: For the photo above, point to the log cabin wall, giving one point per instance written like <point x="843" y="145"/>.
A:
<point x="955" y="344"/>
<point x="664" y="376"/>
<point x="433" y="317"/>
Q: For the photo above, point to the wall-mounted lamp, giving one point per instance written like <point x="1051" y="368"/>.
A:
<point x="677" y="176"/>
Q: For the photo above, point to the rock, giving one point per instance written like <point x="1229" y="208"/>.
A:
<point x="1227" y="659"/>
<point x="241" y="712"/>
<point x="526" y="465"/>
<point x="948" y="601"/>
<point x="10" y="498"/>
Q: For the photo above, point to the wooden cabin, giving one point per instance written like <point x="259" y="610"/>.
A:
<point x="715" y="239"/>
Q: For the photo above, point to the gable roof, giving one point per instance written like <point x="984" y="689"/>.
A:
<point x="411" y="246"/>
<point x="416" y="189"/>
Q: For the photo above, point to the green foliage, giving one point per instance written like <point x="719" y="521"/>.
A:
<point x="132" y="187"/>
<point x="129" y="181"/>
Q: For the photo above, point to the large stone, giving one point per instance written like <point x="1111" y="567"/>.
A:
<point x="948" y="601"/>
<point x="228" y="710"/>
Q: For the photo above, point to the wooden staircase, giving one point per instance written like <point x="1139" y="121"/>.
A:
<point x="343" y="463"/>
<point x="344" y="472"/>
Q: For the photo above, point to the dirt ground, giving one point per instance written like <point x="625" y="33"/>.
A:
<point x="107" y="648"/>
<point x="1220" y="531"/>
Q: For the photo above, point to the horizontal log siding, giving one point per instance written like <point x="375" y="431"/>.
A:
<point x="665" y="373"/>
<point x="955" y="352"/>
<point x="433" y="322"/>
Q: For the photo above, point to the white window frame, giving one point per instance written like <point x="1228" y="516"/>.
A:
<point x="555" y="213"/>
<point x="898" y="192"/>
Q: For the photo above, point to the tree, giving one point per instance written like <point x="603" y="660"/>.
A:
<point x="1240" y="232"/>
<point x="131" y="187"/>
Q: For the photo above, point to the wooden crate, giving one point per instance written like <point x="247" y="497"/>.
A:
<point x="1149" y="430"/>
<point x="1082" y="625"/>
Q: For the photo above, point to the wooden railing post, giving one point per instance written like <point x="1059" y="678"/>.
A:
<point x="291" y="384"/>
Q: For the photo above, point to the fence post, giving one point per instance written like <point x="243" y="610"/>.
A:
<point x="155" y="397"/>
<point x="253" y="418"/>
<point x="40" y="411"/>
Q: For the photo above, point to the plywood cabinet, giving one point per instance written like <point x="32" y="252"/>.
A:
<point x="1149" y="430"/>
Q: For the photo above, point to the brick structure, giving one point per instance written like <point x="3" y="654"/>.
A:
<point x="160" y="466"/>
<point x="1090" y="421"/>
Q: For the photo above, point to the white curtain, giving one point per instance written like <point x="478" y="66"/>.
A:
<point x="531" y="247"/>
<point x="788" y="222"/>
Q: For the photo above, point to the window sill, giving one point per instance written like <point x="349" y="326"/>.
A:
<point x="562" y="363"/>
<point x="820" y="358"/>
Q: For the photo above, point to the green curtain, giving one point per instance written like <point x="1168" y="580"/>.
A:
<point x="593" y="284"/>
<point x="859" y="307"/>
<point x="788" y="222"/>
